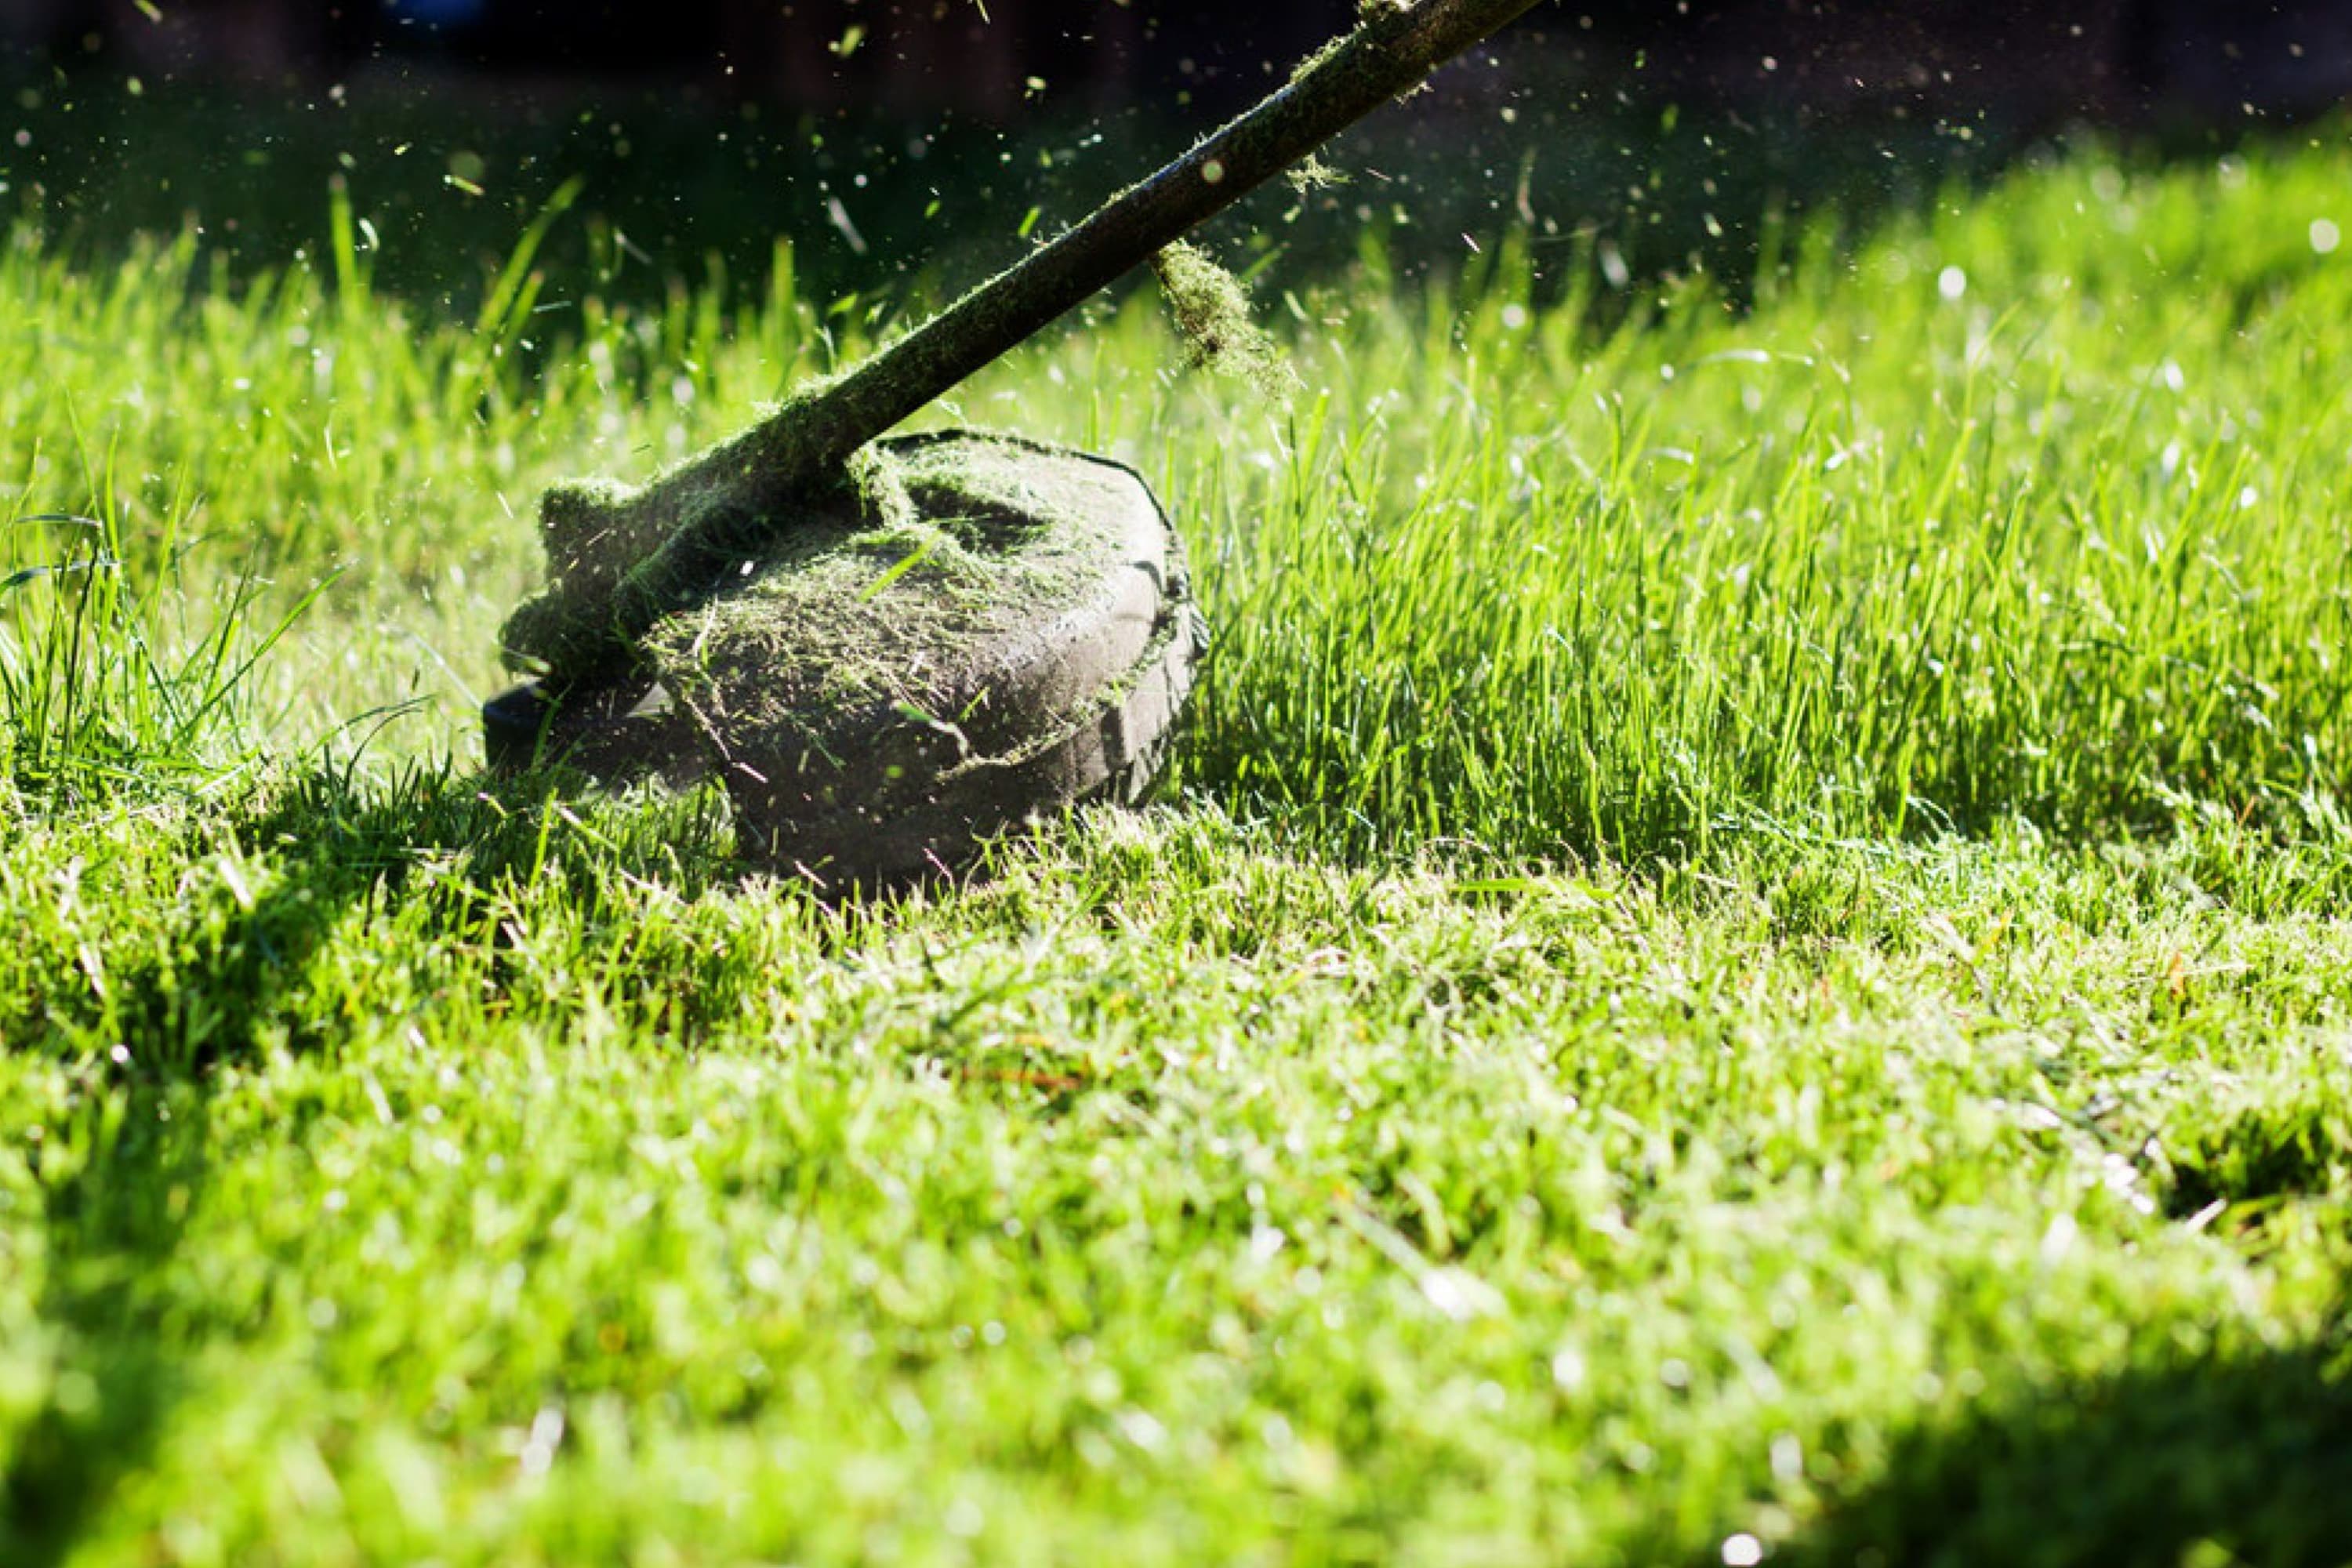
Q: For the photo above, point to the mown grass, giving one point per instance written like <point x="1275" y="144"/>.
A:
<point x="1750" y="955"/>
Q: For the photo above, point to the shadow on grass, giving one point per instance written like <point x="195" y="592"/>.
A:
<point x="112" y="1231"/>
<point x="130" y="1164"/>
<point x="113" y="1222"/>
<point x="2228" y="1461"/>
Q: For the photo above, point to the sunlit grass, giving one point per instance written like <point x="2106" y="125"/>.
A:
<point x="2021" y="511"/>
<point x="1750" y="941"/>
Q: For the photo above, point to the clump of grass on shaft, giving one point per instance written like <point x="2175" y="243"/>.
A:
<point x="1213" y="313"/>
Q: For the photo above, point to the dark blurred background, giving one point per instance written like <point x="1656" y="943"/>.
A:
<point x="902" y="145"/>
<point x="2105" y="59"/>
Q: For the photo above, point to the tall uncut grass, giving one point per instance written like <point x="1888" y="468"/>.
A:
<point x="106" y="687"/>
<point x="2030" y="507"/>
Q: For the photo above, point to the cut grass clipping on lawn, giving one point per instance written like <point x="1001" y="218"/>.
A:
<point x="1751" y="957"/>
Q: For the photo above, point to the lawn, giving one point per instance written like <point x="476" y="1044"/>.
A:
<point x="1749" y="957"/>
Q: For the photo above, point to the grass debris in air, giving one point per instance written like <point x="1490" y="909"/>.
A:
<point x="1752" y="960"/>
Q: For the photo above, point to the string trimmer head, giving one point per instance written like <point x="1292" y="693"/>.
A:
<point x="1008" y="628"/>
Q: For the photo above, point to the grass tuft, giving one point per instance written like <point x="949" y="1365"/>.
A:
<point x="104" y="689"/>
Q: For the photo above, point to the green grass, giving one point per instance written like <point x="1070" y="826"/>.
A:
<point x="1751" y="952"/>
